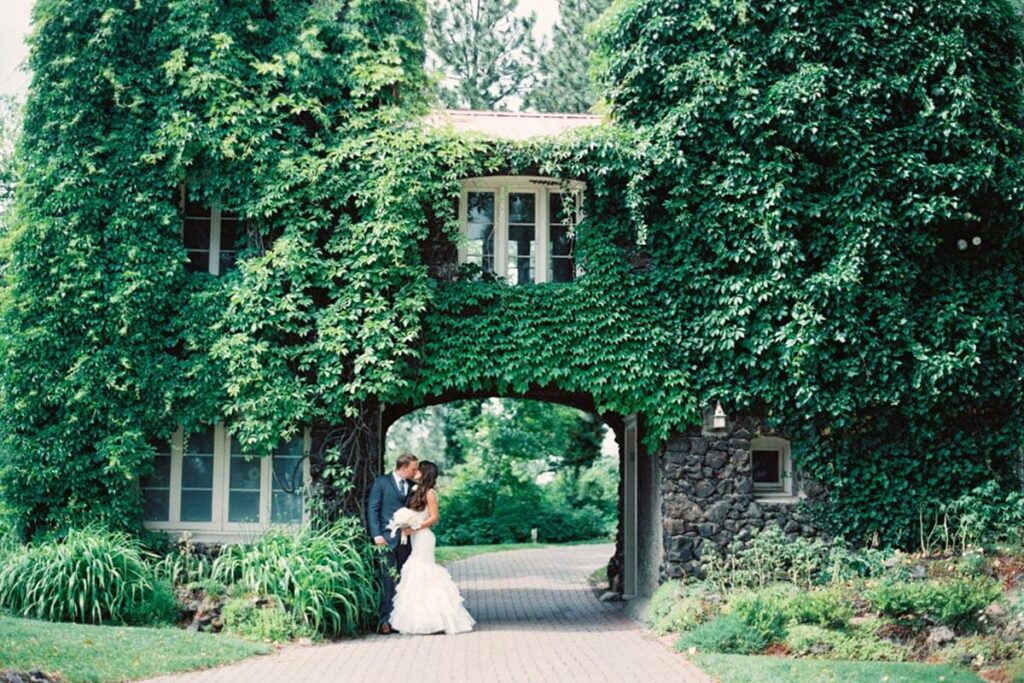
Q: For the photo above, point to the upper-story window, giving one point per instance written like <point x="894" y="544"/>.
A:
<point x="521" y="229"/>
<point x="211" y="237"/>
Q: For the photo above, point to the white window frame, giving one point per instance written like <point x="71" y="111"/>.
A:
<point x="218" y="529"/>
<point x="782" y="447"/>
<point x="502" y="186"/>
<point x="213" y="267"/>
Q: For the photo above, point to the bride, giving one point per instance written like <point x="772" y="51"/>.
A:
<point x="427" y="600"/>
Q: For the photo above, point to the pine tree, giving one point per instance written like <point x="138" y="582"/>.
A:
<point x="564" y="84"/>
<point x="485" y="54"/>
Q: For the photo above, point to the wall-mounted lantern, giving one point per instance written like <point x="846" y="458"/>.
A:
<point x="718" y="422"/>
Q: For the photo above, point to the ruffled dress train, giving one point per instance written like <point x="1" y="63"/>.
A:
<point x="426" y="599"/>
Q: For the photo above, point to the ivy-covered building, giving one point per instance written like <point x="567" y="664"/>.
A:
<point x="786" y="265"/>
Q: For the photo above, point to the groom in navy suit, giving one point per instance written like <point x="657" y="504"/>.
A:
<point x="389" y="493"/>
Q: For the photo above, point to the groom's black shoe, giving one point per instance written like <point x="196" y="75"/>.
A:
<point x="385" y="629"/>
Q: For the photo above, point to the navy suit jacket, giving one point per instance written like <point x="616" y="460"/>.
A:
<point x="385" y="499"/>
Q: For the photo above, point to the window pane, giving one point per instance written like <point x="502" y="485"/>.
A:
<point x="156" y="505"/>
<point x="521" y="253"/>
<point x="196" y="506"/>
<point x="200" y="443"/>
<point x="193" y="207"/>
<point x="228" y="231"/>
<point x="522" y="207"/>
<point x="287" y="482"/>
<point x="196" y="234"/>
<point x="561" y="270"/>
<point x="227" y="261"/>
<point x="244" y="506"/>
<point x="480" y="229"/>
<point x="561" y="242"/>
<point x="198" y="262"/>
<point x="245" y="473"/>
<point x="197" y="471"/>
<point x="287" y="473"/>
<point x="161" y="476"/>
<point x="556" y="207"/>
<point x="766" y="468"/>
<point x="287" y="508"/>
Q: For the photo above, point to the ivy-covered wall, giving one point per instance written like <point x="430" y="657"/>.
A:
<point x="774" y="217"/>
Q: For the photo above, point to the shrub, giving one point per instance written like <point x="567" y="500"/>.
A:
<point x="985" y="515"/>
<point x="676" y="607"/>
<point x="763" y="612"/>
<point x="772" y="557"/>
<point x="265" y="620"/>
<point x="93" y="576"/>
<point x="726" y="633"/>
<point x="158" y="607"/>
<point x="979" y="650"/>
<point x="182" y="565"/>
<point x="955" y="602"/>
<point x="327" y="578"/>
<point x="854" y="644"/>
<point x="829" y="607"/>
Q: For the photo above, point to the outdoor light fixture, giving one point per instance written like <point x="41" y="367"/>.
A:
<point x="719" y="419"/>
<point x="961" y="245"/>
<point x="976" y="241"/>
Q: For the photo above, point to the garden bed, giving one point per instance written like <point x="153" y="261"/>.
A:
<point x="809" y="601"/>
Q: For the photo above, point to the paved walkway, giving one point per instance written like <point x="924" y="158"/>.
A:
<point x="537" y="620"/>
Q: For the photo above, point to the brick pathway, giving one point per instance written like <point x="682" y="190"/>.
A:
<point x="537" y="620"/>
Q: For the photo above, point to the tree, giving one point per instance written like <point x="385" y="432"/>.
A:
<point x="564" y="83"/>
<point x="486" y="55"/>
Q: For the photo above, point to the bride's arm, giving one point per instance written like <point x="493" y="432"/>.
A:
<point x="432" y="509"/>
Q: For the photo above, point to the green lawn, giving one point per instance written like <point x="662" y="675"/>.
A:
<point x="451" y="553"/>
<point x="761" y="669"/>
<point x="112" y="653"/>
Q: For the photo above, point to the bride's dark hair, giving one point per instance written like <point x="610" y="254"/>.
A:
<point x="428" y="479"/>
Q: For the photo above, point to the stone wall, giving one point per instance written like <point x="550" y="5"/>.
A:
<point x="708" y="496"/>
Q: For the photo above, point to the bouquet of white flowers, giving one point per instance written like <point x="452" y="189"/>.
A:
<point x="404" y="518"/>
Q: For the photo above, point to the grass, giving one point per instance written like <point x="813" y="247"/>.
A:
<point x="112" y="653"/>
<point x="453" y="553"/>
<point x="763" y="669"/>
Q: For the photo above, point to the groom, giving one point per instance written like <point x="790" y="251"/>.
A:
<point x="389" y="493"/>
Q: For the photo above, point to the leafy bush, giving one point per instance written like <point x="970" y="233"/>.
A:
<point x="955" y="602"/>
<point x="676" y="607"/>
<point x="264" y="620"/>
<point x="813" y="640"/>
<point x="986" y="515"/>
<point x="326" y="578"/>
<point x="979" y="650"/>
<point x="182" y="566"/>
<point x="830" y="607"/>
<point x="764" y="612"/>
<point x="93" y="576"/>
<point x="726" y="633"/>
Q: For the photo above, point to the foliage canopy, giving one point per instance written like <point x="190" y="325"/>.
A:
<point x="797" y="176"/>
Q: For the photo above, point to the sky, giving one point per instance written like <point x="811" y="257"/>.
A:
<point x="15" y="17"/>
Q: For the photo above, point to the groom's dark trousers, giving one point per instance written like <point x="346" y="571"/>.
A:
<point x="385" y="499"/>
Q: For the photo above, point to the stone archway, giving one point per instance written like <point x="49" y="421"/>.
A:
<point x="639" y="528"/>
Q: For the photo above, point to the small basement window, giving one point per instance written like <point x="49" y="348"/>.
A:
<point x="771" y="467"/>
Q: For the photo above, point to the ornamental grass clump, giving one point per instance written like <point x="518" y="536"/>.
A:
<point x="93" y="576"/>
<point x="326" y="579"/>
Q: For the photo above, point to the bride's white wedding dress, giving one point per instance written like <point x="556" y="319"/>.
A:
<point x="426" y="599"/>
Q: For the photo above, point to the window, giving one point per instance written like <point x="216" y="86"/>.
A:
<point x="211" y="237"/>
<point x="156" y="488"/>
<point x="207" y="484"/>
<point x="521" y="229"/>
<point x="771" y="467"/>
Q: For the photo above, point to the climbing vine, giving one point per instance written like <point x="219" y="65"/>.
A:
<point x="775" y="215"/>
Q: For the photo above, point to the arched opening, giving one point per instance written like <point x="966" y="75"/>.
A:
<point x="555" y="480"/>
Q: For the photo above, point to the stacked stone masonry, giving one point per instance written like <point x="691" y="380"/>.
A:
<point x="708" y="498"/>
